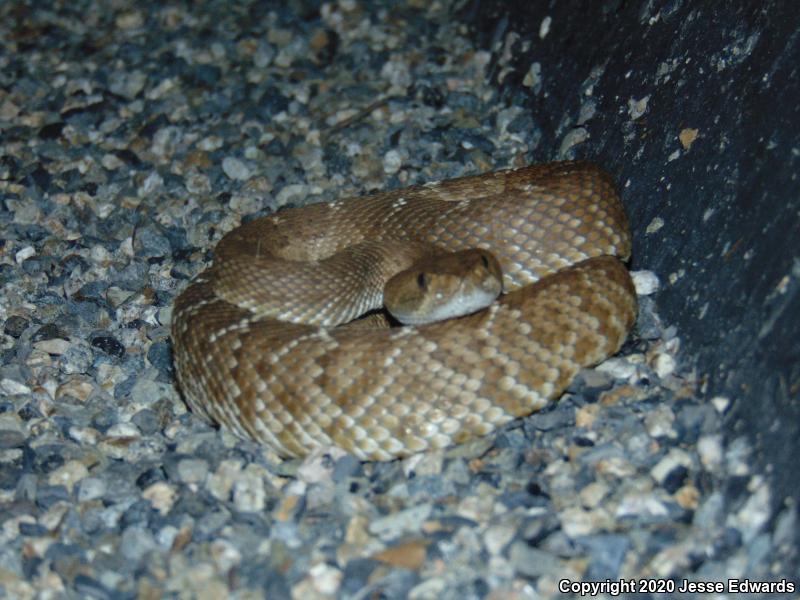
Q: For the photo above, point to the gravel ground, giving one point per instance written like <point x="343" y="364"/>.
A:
<point x="132" y="136"/>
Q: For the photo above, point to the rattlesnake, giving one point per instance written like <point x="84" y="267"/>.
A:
<point x="260" y="347"/>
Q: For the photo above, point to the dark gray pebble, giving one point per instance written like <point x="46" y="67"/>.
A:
<point x="49" y="331"/>
<point x="150" y="241"/>
<point x="547" y="420"/>
<point x="606" y="554"/>
<point x="88" y="587"/>
<point x="356" y="574"/>
<point x="15" y="325"/>
<point x="109" y="345"/>
<point x="160" y="356"/>
<point x="48" y="495"/>
<point x="11" y="439"/>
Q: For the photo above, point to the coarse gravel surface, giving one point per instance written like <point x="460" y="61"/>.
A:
<point x="132" y="136"/>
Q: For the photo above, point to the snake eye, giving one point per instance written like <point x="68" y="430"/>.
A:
<point x="422" y="281"/>
<point x="485" y="261"/>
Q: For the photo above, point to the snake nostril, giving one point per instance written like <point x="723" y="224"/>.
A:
<point x="485" y="261"/>
<point x="422" y="281"/>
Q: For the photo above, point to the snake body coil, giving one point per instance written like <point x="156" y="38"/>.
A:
<point x="260" y="340"/>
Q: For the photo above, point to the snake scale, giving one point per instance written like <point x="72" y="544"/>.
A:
<point x="263" y="346"/>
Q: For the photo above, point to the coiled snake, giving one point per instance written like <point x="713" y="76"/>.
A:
<point x="259" y="341"/>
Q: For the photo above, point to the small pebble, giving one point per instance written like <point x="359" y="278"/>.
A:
<point x="645" y="282"/>
<point x="236" y="169"/>
<point x="619" y="368"/>
<point x="68" y="475"/>
<point x="161" y="495"/>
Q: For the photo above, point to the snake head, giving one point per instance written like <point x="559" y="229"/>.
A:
<point x="444" y="286"/>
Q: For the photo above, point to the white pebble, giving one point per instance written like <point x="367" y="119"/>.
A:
<point x="111" y="162"/>
<point x="640" y="504"/>
<point x="618" y="368"/>
<point x="99" y="254"/>
<point x="720" y="403"/>
<point x="664" y="365"/>
<point x="292" y="193"/>
<point x="248" y="490"/>
<point x="13" y="388"/>
<point x="576" y="522"/>
<point x="210" y="143"/>
<point x="636" y="108"/>
<point x="710" y="449"/>
<point x="91" y="488"/>
<point x="659" y="422"/>
<point x="392" y="161"/>
<point x="544" y="27"/>
<point x="24" y="254"/>
<point x="656" y="224"/>
<point x="325" y="578"/>
<point x="226" y="556"/>
<point x="235" y="169"/>
<point x="151" y="184"/>
<point x="192" y="470"/>
<point x="55" y="346"/>
<point x="645" y="282"/>
<point x="498" y="536"/>
<point x="85" y="435"/>
<point x="534" y="75"/>
<point x="123" y="430"/>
